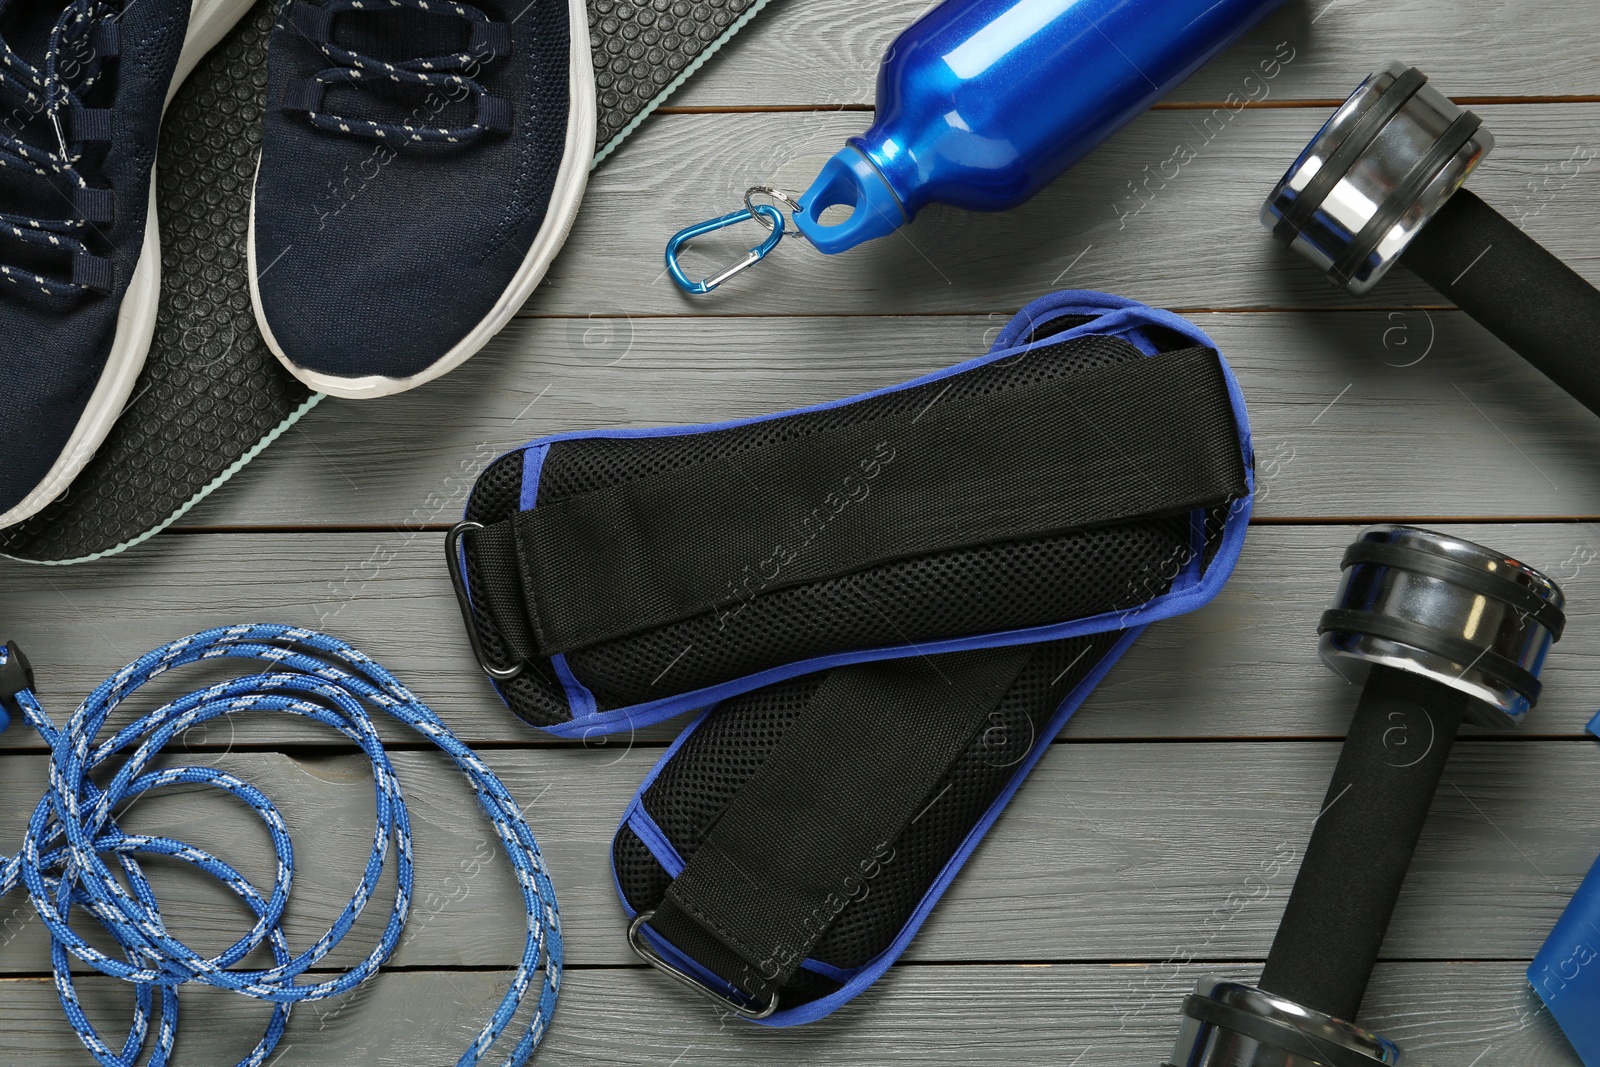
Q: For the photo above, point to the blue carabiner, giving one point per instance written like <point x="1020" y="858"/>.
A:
<point x="675" y="246"/>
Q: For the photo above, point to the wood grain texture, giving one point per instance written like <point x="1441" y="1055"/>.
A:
<point x="1110" y="852"/>
<point x="1097" y="1015"/>
<point x="1244" y="666"/>
<point x="1169" y="233"/>
<point x="599" y="361"/>
<point x="1157" y="839"/>
<point x="825" y="52"/>
<point x="1354" y="414"/>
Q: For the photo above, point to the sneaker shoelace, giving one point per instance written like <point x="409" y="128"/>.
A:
<point x="449" y="77"/>
<point x="81" y="47"/>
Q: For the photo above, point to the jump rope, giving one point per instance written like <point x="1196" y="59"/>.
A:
<point x="74" y="850"/>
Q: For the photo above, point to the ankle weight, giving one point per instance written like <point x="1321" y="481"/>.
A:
<point x="1090" y="474"/>
<point x="770" y="862"/>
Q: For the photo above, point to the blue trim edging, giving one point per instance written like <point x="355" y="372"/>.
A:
<point x="854" y="981"/>
<point x="1113" y="316"/>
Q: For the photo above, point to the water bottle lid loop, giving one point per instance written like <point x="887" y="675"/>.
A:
<point x="849" y="179"/>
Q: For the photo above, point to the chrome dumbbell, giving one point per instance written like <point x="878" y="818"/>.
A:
<point x="1381" y="183"/>
<point x="1437" y="631"/>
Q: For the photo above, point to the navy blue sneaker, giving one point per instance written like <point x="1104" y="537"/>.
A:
<point x="82" y="87"/>
<point x="421" y="165"/>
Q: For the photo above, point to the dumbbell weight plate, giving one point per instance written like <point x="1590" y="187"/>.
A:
<point x="1379" y="169"/>
<point x="1463" y="615"/>
<point x="1227" y="1024"/>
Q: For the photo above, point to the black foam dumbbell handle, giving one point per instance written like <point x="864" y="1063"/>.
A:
<point x="1362" y="842"/>
<point x="1527" y="297"/>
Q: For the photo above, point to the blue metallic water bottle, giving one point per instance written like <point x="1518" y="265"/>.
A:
<point x="981" y="103"/>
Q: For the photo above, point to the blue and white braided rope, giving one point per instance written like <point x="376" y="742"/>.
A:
<point x="74" y="849"/>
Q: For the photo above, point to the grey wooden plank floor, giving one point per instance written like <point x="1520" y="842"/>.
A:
<point x="1119" y="874"/>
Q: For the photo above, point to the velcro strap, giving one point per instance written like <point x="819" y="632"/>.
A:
<point x="95" y="205"/>
<point x="815" y="825"/>
<point x="1145" y="438"/>
<point x="93" y="272"/>
<point x="304" y="94"/>
<point x="500" y="579"/>
<point x="490" y="40"/>
<point x="91" y="124"/>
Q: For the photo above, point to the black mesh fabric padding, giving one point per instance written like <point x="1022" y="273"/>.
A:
<point x="690" y="793"/>
<point x="1008" y="586"/>
<point x="643" y="879"/>
<point x="1216" y="522"/>
<point x="498" y="490"/>
<point x="585" y="464"/>
<point x="1004" y="586"/>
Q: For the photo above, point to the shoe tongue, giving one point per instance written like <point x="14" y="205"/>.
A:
<point x="404" y="104"/>
<point x="25" y="193"/>
<point x="403" y="33"/>
<point x="26" y="26"/>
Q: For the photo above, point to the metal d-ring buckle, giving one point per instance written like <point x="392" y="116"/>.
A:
<point x="458" y="578"/>
<point x="641" y="949"/>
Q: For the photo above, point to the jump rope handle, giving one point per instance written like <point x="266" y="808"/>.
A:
<point x="15" y="677"/>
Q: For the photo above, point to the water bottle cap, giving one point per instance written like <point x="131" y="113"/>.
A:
<point x="849" y="179"/>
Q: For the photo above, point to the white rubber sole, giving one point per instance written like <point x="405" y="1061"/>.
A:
<point x="294" y="417"/>
<point x="209" y="22"/>
<point x="571" y="181"/>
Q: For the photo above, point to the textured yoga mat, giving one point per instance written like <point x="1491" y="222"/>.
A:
<point x="211" y="396"/>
